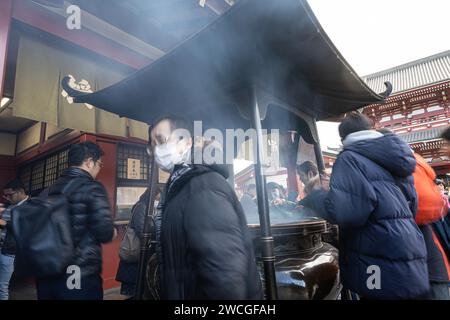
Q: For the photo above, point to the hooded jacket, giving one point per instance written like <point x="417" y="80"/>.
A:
<point x="373" y="200"/>
<point x="206" y="248"/>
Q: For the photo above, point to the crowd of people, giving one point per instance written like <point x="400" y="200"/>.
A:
<point x="390" y="209"/>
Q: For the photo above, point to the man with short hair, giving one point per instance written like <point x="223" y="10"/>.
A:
<point x="205" y="248"/>
<point x="248" y="203"/>
<point x="251" y="191"/>
<point x="311" y="178"/>
<point x="14" y="193"/>
<point x="92" y="226"/>
<point x="372" y="200"/>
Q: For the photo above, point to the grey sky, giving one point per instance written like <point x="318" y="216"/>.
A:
<point x="377" y="35"/>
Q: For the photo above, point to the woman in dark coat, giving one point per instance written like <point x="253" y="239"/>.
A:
<point x="127" y="271"/>
<point x="373" y="200"/>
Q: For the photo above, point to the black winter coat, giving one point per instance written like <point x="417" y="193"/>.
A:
<point x="128" y="271"/>
<point x="207" y="251"/>
<point x="91" y="219"/>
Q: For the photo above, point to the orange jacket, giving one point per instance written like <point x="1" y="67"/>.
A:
<point x="431" y="205"/>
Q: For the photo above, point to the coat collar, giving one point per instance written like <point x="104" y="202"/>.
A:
<point x="75" y="172"/>
<point x="361" y="136"/>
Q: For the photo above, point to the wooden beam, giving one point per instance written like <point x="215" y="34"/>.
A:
<point x="40" y="18"/>
<point x="113" y="33"/>
<point x="132" y="19"/>
<point x="5" y="26"/>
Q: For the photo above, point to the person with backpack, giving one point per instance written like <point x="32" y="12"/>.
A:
<point x="91" y="225"/>
<point x="373" y="201"/>
<point x="14" y="193"/>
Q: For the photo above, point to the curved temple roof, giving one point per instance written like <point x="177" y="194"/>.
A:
<point x="276" y="46"/>
<point x="413" y="75"/>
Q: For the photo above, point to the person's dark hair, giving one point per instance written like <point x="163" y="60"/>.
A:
<point x="251" y="186"/>
<point x="307" y="166"/>
<point x="439" y="182"/>
<point x="354" y="122"/>
<point x="175" y="122"/>
<point x="446" y="134"/>
<point x="272" y="186"/>
<point x="16" y="185"/>
<point x="80" y="152"/>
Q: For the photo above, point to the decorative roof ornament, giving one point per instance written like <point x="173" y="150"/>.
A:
<point x="82" y="86"/>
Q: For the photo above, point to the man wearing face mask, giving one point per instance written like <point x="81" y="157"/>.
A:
<point x="205" y="250"/>
<point x="92" y="225"/>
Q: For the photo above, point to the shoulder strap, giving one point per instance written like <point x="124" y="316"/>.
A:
<point x="71" y="185"/>
<point x="133" y="214"/>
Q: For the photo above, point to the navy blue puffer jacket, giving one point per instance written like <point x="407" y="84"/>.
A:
<point x="373" y="200"/>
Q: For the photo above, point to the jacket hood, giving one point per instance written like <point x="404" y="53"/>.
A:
<point x="74" y="172"/>
<point x="388" y="151"/>
<point x="222" y="169"/>
<point x="361" y="136"/>
<point x="198" y="169"/>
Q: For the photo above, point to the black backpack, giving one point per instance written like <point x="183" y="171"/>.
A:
<point x="42" y="230"/>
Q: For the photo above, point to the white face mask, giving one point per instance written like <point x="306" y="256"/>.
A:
<point x="167" y="156"/>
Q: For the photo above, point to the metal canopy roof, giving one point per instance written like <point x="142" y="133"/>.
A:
<point x="277" y="47"/>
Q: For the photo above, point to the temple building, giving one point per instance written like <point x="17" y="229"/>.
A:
<point x="418" y="108"/>
<point x="98" y="43"/>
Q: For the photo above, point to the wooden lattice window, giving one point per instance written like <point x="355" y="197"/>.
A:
<point x="37" y="176"/>
<point x="63" y="161"/>
<point x="51" y="170"/>
<point x="42" y="173"/>
<point x="25" y="177"/>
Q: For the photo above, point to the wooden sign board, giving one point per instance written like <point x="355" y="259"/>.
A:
<point x="134" y="169"/>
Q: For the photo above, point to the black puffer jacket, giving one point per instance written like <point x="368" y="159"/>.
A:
<point x="92" y="223"/>
<point x="206" y="249"/>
